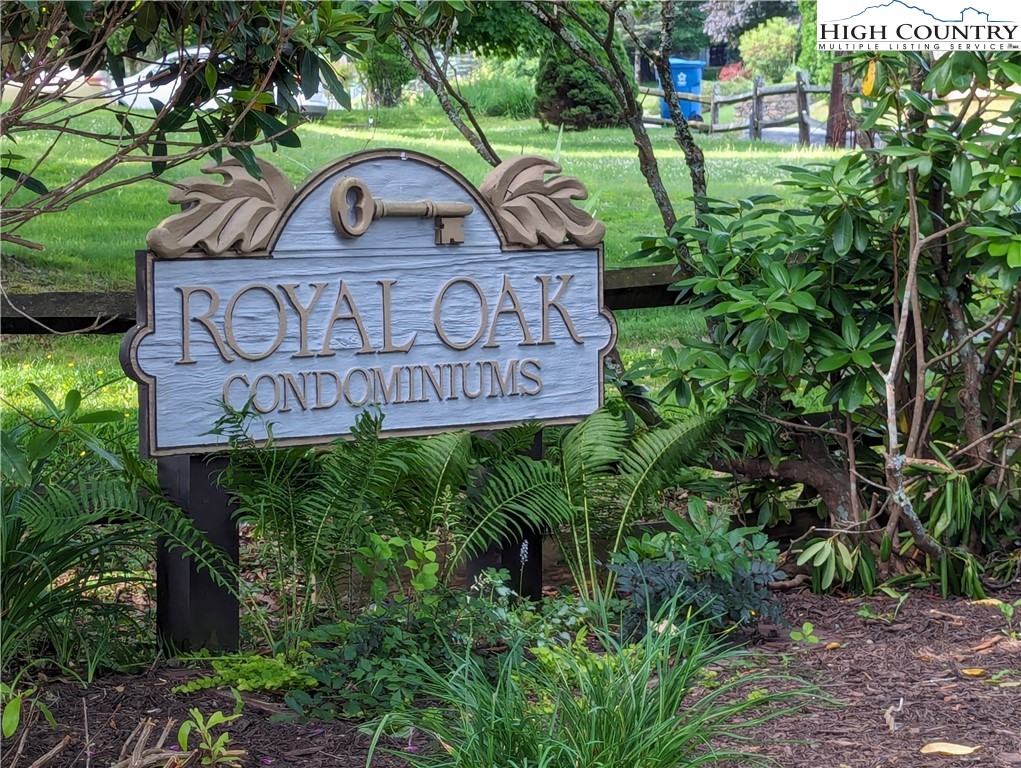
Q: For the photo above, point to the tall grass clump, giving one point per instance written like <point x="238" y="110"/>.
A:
<point x="509" y="97"/>
<point x="654" y="704"/>
<point x="79" y="514"/>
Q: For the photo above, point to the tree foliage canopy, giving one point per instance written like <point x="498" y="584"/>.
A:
<point x="257" y="57"/>
<point x="725" y="20"/>
<point x="688" y="38"/>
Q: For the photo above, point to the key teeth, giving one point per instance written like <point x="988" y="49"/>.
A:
<point x="449" y="230"/>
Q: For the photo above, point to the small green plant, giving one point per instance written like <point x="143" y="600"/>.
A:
<point x="805" y="635"/>
<point x="246" y="672"/>
<point x="611" y="474"/>
<point x="16" y="706"/>
<point x="359" y="664"/>
<point x="719" y="572"/>
<point x="833" y="562"/>
<point x="1011" y="612"/>
<point x="11" y="703"/>
<point x="866" y="612"/>
<point x="212" y="749"/>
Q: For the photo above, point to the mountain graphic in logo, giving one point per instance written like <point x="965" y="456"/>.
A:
<point x="977" y="16"/>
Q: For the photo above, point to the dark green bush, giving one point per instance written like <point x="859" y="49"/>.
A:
<point x="569" y="93"/>
<point x="705" y="566"/>
<point x="385" y="71"/>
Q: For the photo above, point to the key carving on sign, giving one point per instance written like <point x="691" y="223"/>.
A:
<point x="354" y="208"/>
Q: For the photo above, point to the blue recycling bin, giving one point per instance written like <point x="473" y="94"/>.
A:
<point x="687" y="78"/>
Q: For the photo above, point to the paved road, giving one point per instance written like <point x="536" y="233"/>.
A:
<point x="787" y="135"/>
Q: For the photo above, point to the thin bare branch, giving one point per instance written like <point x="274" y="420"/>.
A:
<point x="1006" y="428"/>
<point x="432" y="74"/>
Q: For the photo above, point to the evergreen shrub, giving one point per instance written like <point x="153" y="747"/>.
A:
<point x="568" y="91"/>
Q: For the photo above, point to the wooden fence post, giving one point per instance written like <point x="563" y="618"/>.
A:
<point x="755" y="115"/>
<point x="801" y="99"/>
<point x="192" y="610"/>
<point x="714" y="108"/>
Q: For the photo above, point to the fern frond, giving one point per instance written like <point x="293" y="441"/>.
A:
<point x="518" y="494"/>
<point x="589" y="452"/>
<point x="648" y="466"/>
<point x="511" y="441"/>
<point x="439" y="470"/>
<point x="58" y="512"/>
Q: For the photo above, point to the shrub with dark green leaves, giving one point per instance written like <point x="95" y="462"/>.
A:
<point x="386" y="71"/>
<point x="720" y="573"/>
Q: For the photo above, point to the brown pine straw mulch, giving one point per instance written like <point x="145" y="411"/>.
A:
<point x="938" y="671"/>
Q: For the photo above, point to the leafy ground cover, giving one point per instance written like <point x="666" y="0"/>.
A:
<point x="934" y="671"/>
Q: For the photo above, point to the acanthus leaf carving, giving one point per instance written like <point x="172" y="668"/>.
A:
<point x="530" y="209"/>
<point x="238" y="214"/>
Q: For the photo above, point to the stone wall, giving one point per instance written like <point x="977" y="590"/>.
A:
<point x="773" y="108"/>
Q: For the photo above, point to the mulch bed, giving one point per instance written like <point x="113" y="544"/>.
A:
<point x="938" y="671"/>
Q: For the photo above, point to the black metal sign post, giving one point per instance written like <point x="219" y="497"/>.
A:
<point x="521" y="556"/>
<point x="192" y="610"/>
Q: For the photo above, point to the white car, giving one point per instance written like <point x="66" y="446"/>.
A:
<point x="160" y="80"/>
<point x="67" y="84"/>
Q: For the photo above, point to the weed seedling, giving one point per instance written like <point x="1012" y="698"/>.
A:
<point x="888" y="617"/>
<point x="212" y="750"/>
<point x="805" y="634"/>
<point x="1011" y="613"/>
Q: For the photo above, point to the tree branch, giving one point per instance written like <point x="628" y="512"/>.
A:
<point x="440" y="85"/>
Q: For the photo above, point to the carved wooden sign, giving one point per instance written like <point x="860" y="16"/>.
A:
<point x="386" y="280"/>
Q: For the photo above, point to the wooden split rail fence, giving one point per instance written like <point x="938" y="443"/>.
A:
<point x="756" y="121"/>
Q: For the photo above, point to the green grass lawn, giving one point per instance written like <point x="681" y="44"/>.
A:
<point x="91" y="246"/>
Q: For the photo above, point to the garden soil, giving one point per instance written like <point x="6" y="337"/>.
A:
<point x="934" y="671"/>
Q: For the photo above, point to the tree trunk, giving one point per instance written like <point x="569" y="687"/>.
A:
<point x="832" y="484"/>
<point x="836" y="118"/>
